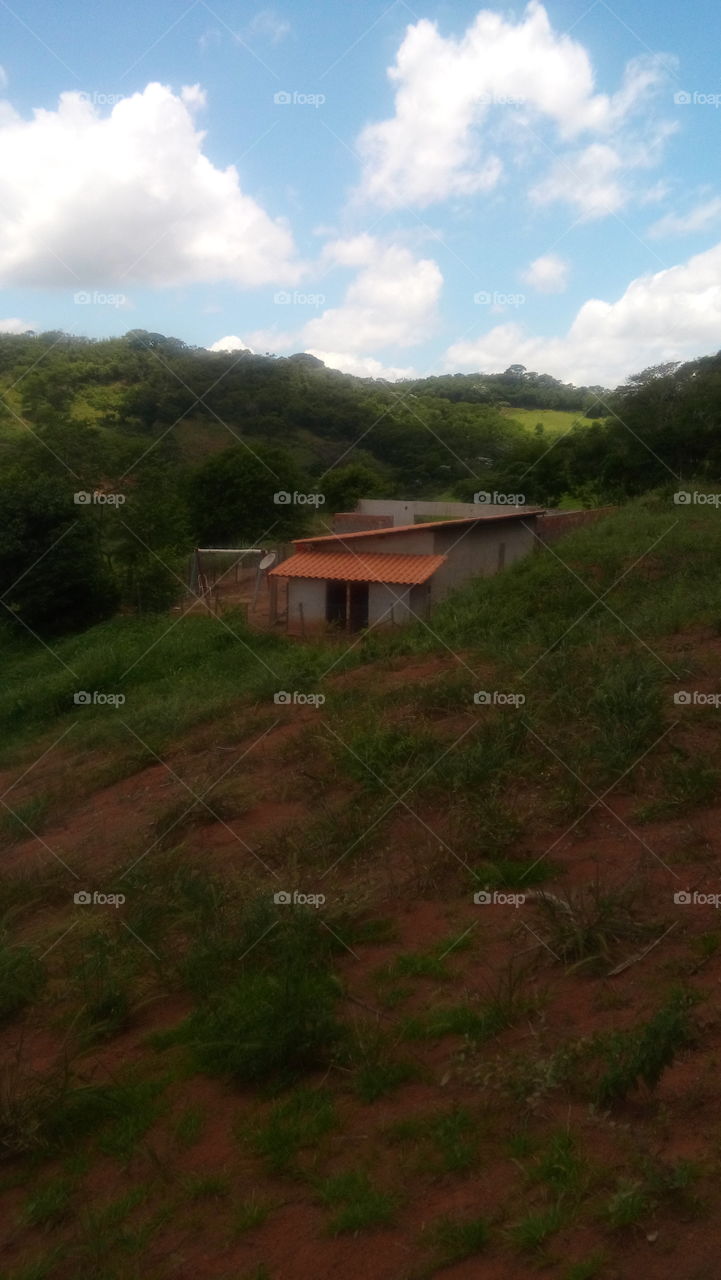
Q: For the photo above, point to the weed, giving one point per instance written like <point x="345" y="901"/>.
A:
<point x="642" y="1054"/>
<point x="22" y="978"/>
<point x="457" y="1238"/>
<point x="48" y="1203"/>
<point x="294" y="1124"/>
<point x="628" y="1204"/>
<point x="360" y="1206"/>
<point x="251" y="1213"/>
<point x="531" y="1233"/>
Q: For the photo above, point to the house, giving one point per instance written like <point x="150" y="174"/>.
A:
<point x="393" y="574"/>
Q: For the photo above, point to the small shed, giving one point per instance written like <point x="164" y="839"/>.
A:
<point x="392" y="575"/>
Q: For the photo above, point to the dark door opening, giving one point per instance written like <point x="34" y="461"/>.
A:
<point x="335" y="604"/>
<point x="346" y="605"/>
<point x="358" y="605"/>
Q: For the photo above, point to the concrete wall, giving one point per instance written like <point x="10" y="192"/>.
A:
<point x="419" y="509"/>
<point x="388" y="604"/>
<point x="310" y="592"/>
<point x="479" y="552"/>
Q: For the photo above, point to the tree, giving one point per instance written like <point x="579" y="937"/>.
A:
<point x="245" y="495"/>
<point x="53" y="577"/>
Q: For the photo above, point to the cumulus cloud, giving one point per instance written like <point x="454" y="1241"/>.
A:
<point x="463" y="106"/>
<point x="391" y="302"/>
<point x="548" y="274"/>
<point x="671" y="315"/>
<point x="231" y="343"/>
<point x="14" y="325"/>
<point x="90" y="197"/>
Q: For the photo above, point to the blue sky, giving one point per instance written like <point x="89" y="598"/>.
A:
<point x="439" y="187"/>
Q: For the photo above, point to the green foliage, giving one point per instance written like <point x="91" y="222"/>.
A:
<point x="295" y="1123"/>
<point x="642" y="1054"/>
<point x="22" y="978"/>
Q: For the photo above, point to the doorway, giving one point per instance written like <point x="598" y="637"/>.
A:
<point x="346" y="605"/>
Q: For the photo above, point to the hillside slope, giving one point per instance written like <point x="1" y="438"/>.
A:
<point x="395" y="1081"/>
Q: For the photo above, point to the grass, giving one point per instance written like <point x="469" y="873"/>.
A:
<point x="530" y="1234"/>
<point x="455" y="1238"/>
<point x="294" y="1124"/>
<point x="22" y="979"/>
<point x="359" y="1206"/>
<point x="49" y="1202"/>
<point x="641" y="1055"/>
<point x="249" y="1214"/>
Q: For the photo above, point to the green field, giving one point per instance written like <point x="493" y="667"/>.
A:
<point x="555" y="421"/>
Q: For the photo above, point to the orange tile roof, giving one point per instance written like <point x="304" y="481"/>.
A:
<point x="366" y="567"/>
<point x="517" y="513"/>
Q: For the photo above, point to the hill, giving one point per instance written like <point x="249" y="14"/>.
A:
<point x="373" y="1074"/>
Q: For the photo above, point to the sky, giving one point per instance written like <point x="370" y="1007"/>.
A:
<point x="401" y="190"/>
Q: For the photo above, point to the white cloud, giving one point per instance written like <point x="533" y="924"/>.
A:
<point x="363" y="366"/>
<point x="671" y="315"/>
<point x="461" y="103"/>
<point x="391" y="302"/>
<point x="128" y="197"/>
<point x="269" y="26"/>
<point x="231" y="343"/>
<point x="697" y="219"/>
<point x="548" y="274"/>
<point x="14" y="325"/>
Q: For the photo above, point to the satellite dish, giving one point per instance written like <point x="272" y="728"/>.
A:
<point x="268" y="561"/>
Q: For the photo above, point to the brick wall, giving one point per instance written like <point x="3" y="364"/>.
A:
<point x="556" y="524"/>
<point x="359" y="522"/>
